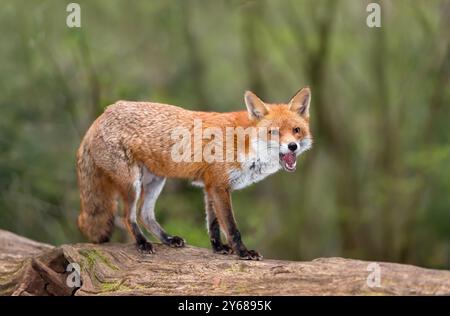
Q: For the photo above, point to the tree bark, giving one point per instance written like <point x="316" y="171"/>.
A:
<point x="31" y="268"/>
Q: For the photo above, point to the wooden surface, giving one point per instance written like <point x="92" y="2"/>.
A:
<point x="31" y="268"/>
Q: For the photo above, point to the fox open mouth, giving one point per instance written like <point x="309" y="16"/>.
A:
<point x="288" y="161"/>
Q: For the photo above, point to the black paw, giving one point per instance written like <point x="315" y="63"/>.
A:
<point x="223" y="249"/>
<point x="145" y="247"/>
<point x="175" y="241"/>
<point x="249" y="255"/>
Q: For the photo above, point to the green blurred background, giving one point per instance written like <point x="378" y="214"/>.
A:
<point x="376" y="184"/>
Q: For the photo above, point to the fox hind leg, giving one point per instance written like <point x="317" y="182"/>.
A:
<point x="152" y="186"/>
<point x="131" y="199"/>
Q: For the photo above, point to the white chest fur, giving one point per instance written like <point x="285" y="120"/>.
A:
<point x="252" y="170"/>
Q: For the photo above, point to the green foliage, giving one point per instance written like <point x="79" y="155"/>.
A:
<point x="376" y="184"/>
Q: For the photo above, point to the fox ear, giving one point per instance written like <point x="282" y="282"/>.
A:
<point x="255" y="106"/>
<point x="300" y="102"/>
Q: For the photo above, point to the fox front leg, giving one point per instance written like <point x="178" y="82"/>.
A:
<point x="212" y="224"/>
<point x="222" y="205"/>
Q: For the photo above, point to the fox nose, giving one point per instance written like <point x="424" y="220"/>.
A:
<point x="292" y="146"/>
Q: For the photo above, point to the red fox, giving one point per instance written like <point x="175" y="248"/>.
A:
<point x="128" y="153"/>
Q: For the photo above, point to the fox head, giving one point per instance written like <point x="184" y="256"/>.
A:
<point x="287" y="125"/>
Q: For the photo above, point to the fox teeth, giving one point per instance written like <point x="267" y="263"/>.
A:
<point x="292" y="166"/>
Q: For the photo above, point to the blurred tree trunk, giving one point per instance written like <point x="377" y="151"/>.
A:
<point x="195" y="60"/>
<point x="95" y="106"/>
<point x="437" y="118"/>
<point x="441" y="73"/>
<point x="253" y="56"/>
<point x="332" y="135"/>
<point x="389" y="154"/>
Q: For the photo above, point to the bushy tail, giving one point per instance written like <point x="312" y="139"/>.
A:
<point x="97" y="195"/>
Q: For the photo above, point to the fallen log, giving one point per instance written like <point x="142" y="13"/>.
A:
<point x="31" y="268"/>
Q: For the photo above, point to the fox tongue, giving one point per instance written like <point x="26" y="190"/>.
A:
<point x="289" y="159"/>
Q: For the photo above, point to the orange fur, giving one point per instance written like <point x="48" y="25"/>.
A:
<point x="129" y="135"/>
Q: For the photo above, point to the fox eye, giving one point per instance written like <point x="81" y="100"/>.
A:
<point x="297" y="130"/>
